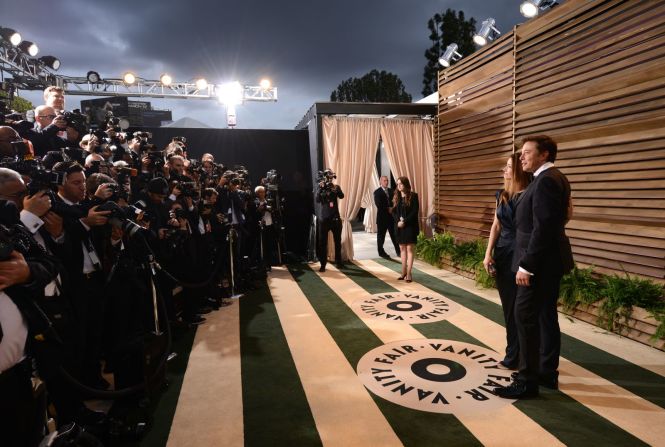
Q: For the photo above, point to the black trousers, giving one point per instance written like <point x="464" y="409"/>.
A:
<point x="505" y="283"/>
<point x="334" y="225"/>
<point x="382" y="227"/>
<point x="538" y="328"/>
<point x="88" y="303"/>
<point x="19" y="423"/>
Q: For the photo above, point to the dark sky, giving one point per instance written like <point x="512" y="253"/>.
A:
<point x="305" y="47"/>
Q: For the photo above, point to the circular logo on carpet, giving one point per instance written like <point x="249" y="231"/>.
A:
<point x="411" y="307"/>
<point x="439" y="376"/>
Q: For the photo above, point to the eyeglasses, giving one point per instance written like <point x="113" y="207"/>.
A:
<point x="47" y="116"/>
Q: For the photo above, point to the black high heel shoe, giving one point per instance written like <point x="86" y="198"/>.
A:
<point x="409" y="280"/>
<point x="401" y="277"/>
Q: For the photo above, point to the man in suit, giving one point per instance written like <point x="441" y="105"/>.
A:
<point x="327" y="194"/>
<point x="542" y="256"/>
<point x="384" y="221"/>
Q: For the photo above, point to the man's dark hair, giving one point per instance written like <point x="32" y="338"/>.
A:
<point x="543" y="143"/>
<point x="68" y="167"/>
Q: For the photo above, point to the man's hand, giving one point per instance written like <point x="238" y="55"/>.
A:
<point x="53" y="224"/>
<point x="523" y="279"/>
<point x="95" y="218"/>
<point x="39" y="204"/>
<point x="14" y="271"/>
<point x="104" y="191"/>
<point x="60" y="122"/>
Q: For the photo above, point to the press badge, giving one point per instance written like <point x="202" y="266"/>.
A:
<point x="332" y="205"/>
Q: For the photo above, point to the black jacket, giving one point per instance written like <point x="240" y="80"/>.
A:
<point x="328" y="199"/>
<point x="382" y="203"/>
<point x="541" y="245"/>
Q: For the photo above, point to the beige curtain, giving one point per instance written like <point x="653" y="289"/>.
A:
<point x="368" y="203"/>
<point x="349" y="149"/>
<point x="410" y="150"/>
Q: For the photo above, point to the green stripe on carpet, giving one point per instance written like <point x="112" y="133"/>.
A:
<point x="564" y="417"/>
<point x="275" y="408"/>
<point x="637" y="380"/>
<point x="354" y="339"/>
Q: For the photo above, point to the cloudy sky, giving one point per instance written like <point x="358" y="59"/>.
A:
<point x="305" y="47"/>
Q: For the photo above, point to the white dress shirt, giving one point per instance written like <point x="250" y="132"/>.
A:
<point x="14" y="333"/>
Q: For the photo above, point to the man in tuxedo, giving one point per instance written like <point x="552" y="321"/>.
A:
<point x="384" y="220"/>
<point x="542" y="256"/>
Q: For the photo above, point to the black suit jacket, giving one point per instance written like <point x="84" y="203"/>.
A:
<point x="382" y="203"/>
<point x="541" y="245"/>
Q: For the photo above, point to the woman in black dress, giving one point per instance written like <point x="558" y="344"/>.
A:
<point x="502" y="242"/>
<point x="405" y="213"/>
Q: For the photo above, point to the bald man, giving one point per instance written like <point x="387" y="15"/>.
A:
<point x="44" y="136"/>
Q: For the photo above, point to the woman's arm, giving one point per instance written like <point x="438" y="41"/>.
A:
<point x="494" y="235"/>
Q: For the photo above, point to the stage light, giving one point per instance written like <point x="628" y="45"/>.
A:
<point x="487" y="32"/>
<point x="531" y="8"/>
<point x="265" y="84"/>
<point x="201" y="84"/>
<point x="29" y="47"/>
<point x="93" y="77"/>
<point x="51" y="62"/>
<point x="230" y="93"/>
<point x="11" y="36"/>
<point x="165" y="79"/>
<point x="129" y="78"/>
<point x="450" y="55"/>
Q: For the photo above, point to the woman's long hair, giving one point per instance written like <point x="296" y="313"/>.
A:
<point x="407" y="191"/>
<point x="520" y="179"/>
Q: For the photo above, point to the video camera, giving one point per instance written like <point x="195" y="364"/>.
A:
<point x="325" y="179"/>
<point x="272" y="180"/>
<point x="187" y="189"/>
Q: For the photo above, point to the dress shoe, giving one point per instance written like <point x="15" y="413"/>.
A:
<point x="322" y="268"/>
<point x="194" y="320"/>
<point x="549" y="382"/>
<point x="517" y="390"/>
<point x="204" y="310"/>
<point x="384" y="255"/>
<point x="508" y="365"/>
<point x="339" y="265"/>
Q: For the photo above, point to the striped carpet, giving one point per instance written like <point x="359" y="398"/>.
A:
<point x="313" y="359"/>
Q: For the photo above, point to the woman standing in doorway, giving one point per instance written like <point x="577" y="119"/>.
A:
<point x="405" y="213"/>
<point x="502" y="243"/>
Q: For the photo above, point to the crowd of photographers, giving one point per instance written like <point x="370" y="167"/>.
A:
<point x="97" y="230"/>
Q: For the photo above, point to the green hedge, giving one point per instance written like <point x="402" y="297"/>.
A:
<point x="580" y="286"/>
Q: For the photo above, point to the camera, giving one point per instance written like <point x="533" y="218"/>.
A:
<point x="187" y="189"/>
<point x="76" y="120"/>
<point x="142" y="135"/>
<point x="118" y="218"/>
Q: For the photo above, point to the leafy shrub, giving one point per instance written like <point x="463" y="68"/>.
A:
<point x="579" y="286"/>
<point x="431" y="250"/>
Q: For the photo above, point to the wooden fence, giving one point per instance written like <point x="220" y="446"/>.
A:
<point x="591" y="74"/>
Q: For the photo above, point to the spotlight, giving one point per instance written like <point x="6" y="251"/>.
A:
<point x="129" y="78"/>
<point x="531" y="8"/>
<point x="29" y="47"/>
<point x="230" y="93"/>
<point x="487" y="32"/>
<point x="201" y="84"/>
<point x="50" y="61"/>
<point x="93" y="77"/>
<point x="11" y="36"/>
<point x="265" y="84"/>
<point x="165" y="79"/>
<point x="450" y="55"/>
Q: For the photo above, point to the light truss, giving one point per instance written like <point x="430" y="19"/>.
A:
<point x="155" y="89"/>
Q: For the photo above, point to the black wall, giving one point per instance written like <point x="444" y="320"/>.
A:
<point x="259" y="151"/>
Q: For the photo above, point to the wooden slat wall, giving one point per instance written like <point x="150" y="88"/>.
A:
<point x="591" y="74"/>
<point x="474" y="137"/>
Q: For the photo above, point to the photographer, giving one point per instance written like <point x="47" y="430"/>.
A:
<point x="327" y="194"/>
<point x="268" y="242"/>
<point x="85" y="272"/>
<point x="44" y="136"/>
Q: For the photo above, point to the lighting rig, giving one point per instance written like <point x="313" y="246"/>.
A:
<point x="18" y="59"/>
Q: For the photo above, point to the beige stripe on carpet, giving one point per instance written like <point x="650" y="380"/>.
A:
<point x="622" y="347"/>
<point x="639" y="417"/>
<point x="343" y="409"/>
<point x="209" y="410"/>
<point x="488" y="428"/>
